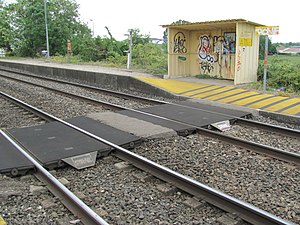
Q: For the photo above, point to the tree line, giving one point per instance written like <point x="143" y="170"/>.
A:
<point x="22" y="33"/>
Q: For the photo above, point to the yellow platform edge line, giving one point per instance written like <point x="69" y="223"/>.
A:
<point x="282" y="105"/>
<point x="293" y="110"/>
<point x="2" y="221"/>
<point x="261" y="103"/>
<point x="249" y="100"/>
<point x="206" y="89"/>
<point x="172" y="85"/>
<point x="215" y="92"/>
<point x="221" y="95"/>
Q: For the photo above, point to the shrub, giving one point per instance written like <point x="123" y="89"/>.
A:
<point x="282" y="73"/>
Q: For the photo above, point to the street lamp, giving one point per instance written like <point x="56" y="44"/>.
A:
<point x="47" y="39"/>
<point x="129" y="56"/>
<point x="93" y="27"/>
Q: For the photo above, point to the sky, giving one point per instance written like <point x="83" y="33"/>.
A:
<point x="121" y="15"/>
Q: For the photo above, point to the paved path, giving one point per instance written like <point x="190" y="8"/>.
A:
<point x="228" y="94"/>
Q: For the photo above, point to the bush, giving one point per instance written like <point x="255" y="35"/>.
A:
<point x="150" y="57"/>
<point x="282" y="73"/>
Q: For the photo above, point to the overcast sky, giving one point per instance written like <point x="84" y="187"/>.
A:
<point x="120" y="15"/>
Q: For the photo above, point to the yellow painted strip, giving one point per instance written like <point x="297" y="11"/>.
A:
<point x="2" y="221"/>
<point x="283" y="104"/>
<point x="172" y="85"/>
<point x="259" y="104"/>
<point x="221" y="95"/>
<point x="293" y="110"/>
<point x="254" y="98"/>
<point x="237" y="97"/>
<point x="205" y="89"/>
<point x="214" y="92"/>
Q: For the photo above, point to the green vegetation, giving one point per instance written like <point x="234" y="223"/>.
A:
<point x="22" y="34"/>
<point x="283" y="75"/>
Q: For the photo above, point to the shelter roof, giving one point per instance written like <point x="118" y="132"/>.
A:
<point x="211" y="25"/>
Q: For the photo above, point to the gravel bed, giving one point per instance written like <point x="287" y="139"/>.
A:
<point x="120" y="197"/>
<point x="12" y="116"/>
<point x="25" y="200"/>
<point x="83" y="91"/>
<point x="58" y="105"/>
<point x="267" y="183"/>
<point x="274" y="122"/>
<point x="264" y="137"/>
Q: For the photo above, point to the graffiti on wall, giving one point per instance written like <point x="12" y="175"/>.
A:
<point x="216" y="49"/>
<point x="206" y="59"/>
<point x="179" y="43"/>
<point x="239" y="63"/>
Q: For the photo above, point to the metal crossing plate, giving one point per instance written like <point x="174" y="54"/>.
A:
<point x="107" y="132"/>
<point x="216" y="109"/>
<point x="181" y="129"/>
<point x="11" y="159"/>
<point x="188" y="115"/>
<point x="52" y="142"/>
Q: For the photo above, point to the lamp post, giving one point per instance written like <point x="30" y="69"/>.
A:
<point x="46" y="25"/>
<point x="93" y="27"/>
<point x="129" y="56"/>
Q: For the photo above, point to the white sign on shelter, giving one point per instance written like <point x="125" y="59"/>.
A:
<point x="267" y="30"/>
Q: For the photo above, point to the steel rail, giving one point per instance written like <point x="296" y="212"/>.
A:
<point x="260" y="148"/>
<point x="71" y="201"/>
<point x="243" y="209"/>
<point x="267" y="127"/>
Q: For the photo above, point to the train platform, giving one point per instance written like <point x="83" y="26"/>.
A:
<point x="212" y="90"/>
<point x="224" y="92"/>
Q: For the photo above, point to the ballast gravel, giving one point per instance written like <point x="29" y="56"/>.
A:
<point x="267" y="183"/>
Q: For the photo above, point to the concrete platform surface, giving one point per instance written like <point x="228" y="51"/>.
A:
<point x="82" y="67"/>
<point x="228" y="94"/>
<point x="133" y="125"/>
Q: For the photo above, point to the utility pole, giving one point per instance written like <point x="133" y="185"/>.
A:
<point x="47" y="39"/>
<point x="266" y="63"/>
<point x="130" y="50"/>
<point x="93" y="26"/>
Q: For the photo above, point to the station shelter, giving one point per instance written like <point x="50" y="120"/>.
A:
<point x="227" y="49"/>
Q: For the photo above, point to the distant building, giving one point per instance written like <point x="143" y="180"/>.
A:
<point x="293" y="50"/>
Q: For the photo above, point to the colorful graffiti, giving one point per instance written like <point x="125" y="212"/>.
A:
<point x="239" y="64"/>
<point x="179" y="43"/>
<point x="216" y="49"/>
<point x="206" y="59"/>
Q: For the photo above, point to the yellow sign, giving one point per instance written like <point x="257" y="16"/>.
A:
<point x="245" y="39"/>
<point x="267" y="30"/>
<point x="2" y="221"/>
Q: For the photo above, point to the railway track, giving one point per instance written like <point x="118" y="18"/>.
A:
<point x="284" y="155"/>
<point x="241" y="121"/>
<point x="244" y="210"/>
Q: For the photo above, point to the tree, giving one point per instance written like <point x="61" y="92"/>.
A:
<point x="271" y="47"/>
<point x="5" y="28"/>
<point x="138" y="38"/>
<point x="27" y="21"/>
<point x="165" y="35"/>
